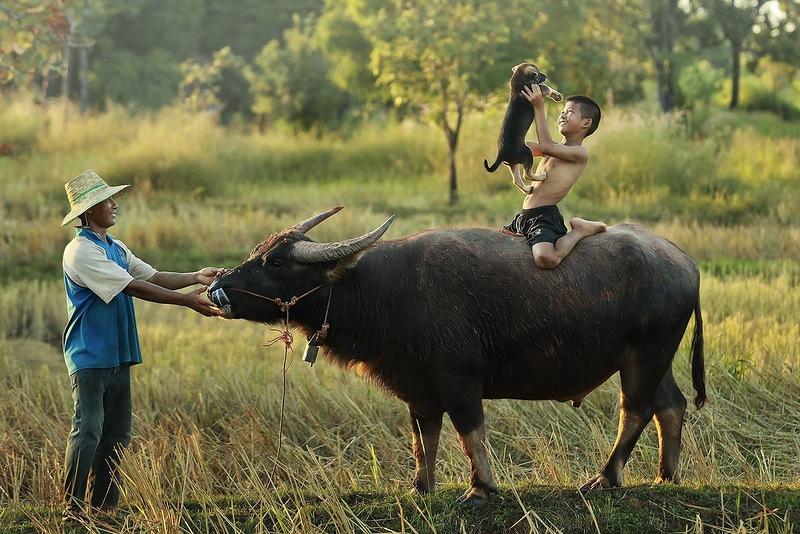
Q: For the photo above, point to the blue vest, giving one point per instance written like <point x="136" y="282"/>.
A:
<point x="100" y="335"/>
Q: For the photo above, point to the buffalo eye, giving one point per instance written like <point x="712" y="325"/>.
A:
<point x="275" y="265"/>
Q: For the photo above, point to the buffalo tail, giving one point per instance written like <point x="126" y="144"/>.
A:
<point x="698" y="361"/>
<point x="494" y="166"/>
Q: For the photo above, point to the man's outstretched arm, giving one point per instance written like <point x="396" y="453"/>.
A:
<point x="195" y="300"/>
<point x="170" y="280"/>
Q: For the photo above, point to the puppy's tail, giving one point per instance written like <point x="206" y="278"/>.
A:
<point x="494" y="166"/>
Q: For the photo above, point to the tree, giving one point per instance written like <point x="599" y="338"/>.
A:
<point x="343" y="40"/>
<point x="594" y="47"/>
<point x="32" y="38"/>
<point x="139" y="48"/>
<point x="217" y="86"/>
<point x="432" y="55"/>
<point x="778" y="35"/>
<point x="666" y="21"/>
<point x="247" y="25"/>
<point x="735" y="21"/>
<point x="291" y="81"/>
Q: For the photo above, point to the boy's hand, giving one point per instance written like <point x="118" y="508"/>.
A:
<point x="533" y="94"/>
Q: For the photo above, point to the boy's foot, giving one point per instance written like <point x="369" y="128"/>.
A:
<point x="509" y="232"/>
<point x="587" y="228"/>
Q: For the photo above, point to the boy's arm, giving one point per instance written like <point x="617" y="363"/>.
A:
<point x="535" y="149"/>
<point x="546" y="144"/>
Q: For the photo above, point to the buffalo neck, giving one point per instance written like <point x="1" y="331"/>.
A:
<point x="361" y="306"/>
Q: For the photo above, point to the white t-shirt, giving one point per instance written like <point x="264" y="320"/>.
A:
<point x="87" y="265"/>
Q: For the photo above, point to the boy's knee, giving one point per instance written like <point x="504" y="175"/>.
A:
<point x="546" y="259"/>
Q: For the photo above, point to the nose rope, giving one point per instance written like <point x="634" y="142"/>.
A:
<point x="286" y="336"/>
<point x="283" y="305"/>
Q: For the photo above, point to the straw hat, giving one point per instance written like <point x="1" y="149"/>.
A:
<point x="87" y="190"/>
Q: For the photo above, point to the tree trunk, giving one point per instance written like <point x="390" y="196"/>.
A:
<point x="664" y="28"/>
<point x="451" y="143"/>
<point x="65" y="76"/>
<point x="85" y="58"/>
<point x="45" y="85"/>
<point x="736" y="50"/>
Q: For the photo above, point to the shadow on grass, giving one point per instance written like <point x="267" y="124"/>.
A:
<point x="525" y="509"/>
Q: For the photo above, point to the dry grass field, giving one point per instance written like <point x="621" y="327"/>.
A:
<point x="207" y="399"/>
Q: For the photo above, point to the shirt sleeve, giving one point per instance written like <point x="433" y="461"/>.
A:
<point x="88" y="266"/>
<point x="138" y="269"/>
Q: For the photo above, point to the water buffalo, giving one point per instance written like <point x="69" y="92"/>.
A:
<point x="448" y="317"/>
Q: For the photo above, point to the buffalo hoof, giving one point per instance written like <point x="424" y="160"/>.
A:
<point x="597" y="482"/>
<point x="474" y="497"/>
<point x="420" y="488"/>
<point x="666" y="479"/>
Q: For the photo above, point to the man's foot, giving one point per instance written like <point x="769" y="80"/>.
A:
<point x="587" y="228"/>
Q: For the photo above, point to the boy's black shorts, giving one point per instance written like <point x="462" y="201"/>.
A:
<point x="538" y="225"/>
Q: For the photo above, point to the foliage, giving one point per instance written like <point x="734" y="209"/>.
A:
<point x="218" y="86"/>
<point x="610" y="44"/>
<point x="431" y="54"/>
<point x="778" y="37"/>
<point x="733" y="21"/>
<point x="146" y="80"/>
<point x="291" y="81"/>
<point x="32" y="37"/>
<point x="700" y="82"/>
<point x="757" y="95"/>
<point x="343" y="40"/>
<point x="247" y="25"/>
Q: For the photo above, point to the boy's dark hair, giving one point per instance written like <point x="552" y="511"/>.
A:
<point x="589" y="110"/>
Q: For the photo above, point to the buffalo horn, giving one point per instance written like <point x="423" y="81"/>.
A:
<point x="308" y="224"/>
<point x="311" y="252"/>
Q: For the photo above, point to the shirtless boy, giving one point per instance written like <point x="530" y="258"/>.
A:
<point x="540" y="220"/>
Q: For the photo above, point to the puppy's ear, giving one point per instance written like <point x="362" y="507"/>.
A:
<point x="515" y="67"/>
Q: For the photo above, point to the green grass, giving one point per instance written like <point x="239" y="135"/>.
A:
<point x="191" y="178"/>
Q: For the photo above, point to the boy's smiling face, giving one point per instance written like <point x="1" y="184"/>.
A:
<point x="571" y="121"/>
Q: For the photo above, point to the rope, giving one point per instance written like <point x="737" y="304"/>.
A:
<point x="286" y="337"/>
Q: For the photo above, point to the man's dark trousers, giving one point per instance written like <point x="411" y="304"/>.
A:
<point x="101" y="428"/>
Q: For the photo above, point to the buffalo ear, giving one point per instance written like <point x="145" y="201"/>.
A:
<point x="344" y="265"/>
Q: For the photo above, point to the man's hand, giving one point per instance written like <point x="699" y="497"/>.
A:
<point x="196" y="300"/>
<point x="207" y="275"/>
<point x="533" y="94"/>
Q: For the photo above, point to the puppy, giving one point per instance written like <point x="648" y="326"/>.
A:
<point x="511" y="147"/>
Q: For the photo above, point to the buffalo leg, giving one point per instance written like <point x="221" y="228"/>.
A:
<point x="425" y="442"/>
<point x="468" y="422"/>
<point x="670" y="405"/>
<point x="636" y="410"/>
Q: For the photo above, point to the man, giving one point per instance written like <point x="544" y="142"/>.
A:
<point x="101" y="341"/>
<point x="540" y="220"/>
